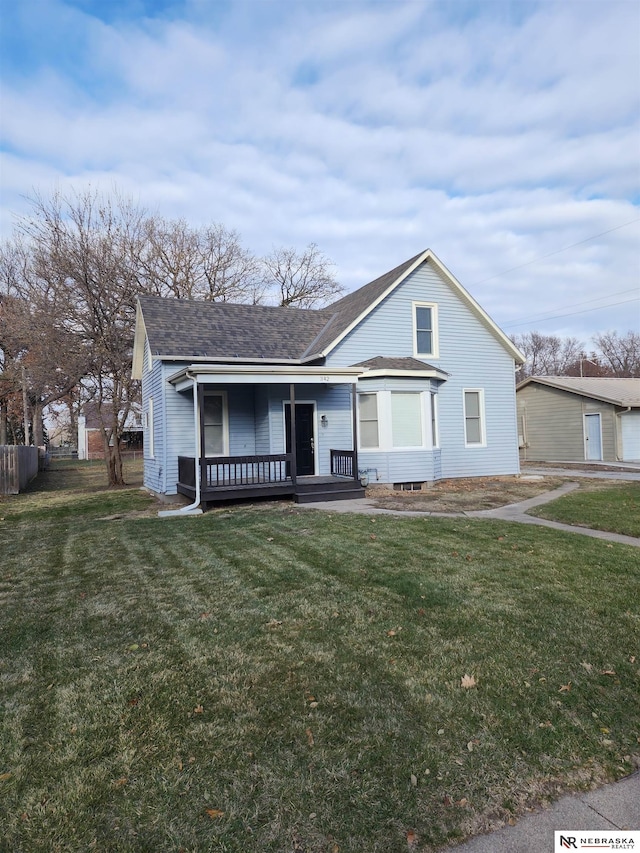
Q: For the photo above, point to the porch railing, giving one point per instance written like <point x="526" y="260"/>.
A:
<point x="226" y="471"/>
<point x="342" y="463"/>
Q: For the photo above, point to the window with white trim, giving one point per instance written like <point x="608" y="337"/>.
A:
<point x="368" y="420"/>
<point x="434" y="420"/>
<point x="425" y="329"/>
<point x="150" y="430"/>
<point x="406" y="419"/>
<point x="213" y="423"/>
<point x="474" y="427"/>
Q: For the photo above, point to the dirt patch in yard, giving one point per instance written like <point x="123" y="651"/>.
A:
<point x="463" y="495"/>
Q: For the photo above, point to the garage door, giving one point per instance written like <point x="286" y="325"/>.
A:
<point x="630" y="436"/>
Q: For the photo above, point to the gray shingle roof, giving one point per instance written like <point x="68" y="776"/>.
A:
<point x="183" y="329"/>
<point x="346" y="310"/>
<point x="381" y="362"/>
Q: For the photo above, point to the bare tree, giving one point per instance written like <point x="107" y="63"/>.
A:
<point x="621" y="353"/>
<point x="81" y="268"/>
<point x="302" y="279"/>
<point x="547" y="355"/>
<point x="206" y="263"/>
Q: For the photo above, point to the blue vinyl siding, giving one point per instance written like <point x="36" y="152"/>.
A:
<point x="179" y="426"/>
<point x="242" y="432"/>
<point x="332" y="401"/>
<point x="473" y="357"/>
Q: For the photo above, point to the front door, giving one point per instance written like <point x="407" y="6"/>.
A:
<point x="305" y="463"/>
<point x="592" y="437"/>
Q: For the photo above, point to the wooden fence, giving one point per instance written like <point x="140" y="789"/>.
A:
<point x="18" y="466"/>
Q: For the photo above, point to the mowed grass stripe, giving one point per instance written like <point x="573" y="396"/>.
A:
<point x="301" y="673"/>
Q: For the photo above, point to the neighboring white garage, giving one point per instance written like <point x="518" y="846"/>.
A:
<point x="630" y="422"/>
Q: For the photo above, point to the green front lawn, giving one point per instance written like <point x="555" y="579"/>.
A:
<point x="599" y="505"/>
<point x="272" y="678"/>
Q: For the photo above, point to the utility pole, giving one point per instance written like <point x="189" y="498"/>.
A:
<point x="25" y="408"/>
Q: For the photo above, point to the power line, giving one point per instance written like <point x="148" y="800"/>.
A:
<point x="534" y="317"/>
<point x="573" y="313"/>
<point x="557" y="252"/>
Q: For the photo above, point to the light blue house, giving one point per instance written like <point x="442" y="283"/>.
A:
<point x="402" y="382"/>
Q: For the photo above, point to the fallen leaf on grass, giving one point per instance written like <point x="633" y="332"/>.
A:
<point x="412" y="839"/>
<point x="565" y="688"/>
<point x="309" y="734"/>
<point x="120" y="782"/>
<point x="198" y="709"/>
<point x="467" y="681"/>
<point x="214" y="813"/>
<point x="587" y="666"/>
<point x="608" y="672"/>
<point x="414" y="779"/>
<point x="5" y="776"/>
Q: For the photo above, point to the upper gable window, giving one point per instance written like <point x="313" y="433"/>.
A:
<point x="425" y="329"/>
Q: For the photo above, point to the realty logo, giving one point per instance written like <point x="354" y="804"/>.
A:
<point x="590" y="839"/>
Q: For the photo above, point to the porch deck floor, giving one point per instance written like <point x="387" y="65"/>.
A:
<point x="284" y="488"/>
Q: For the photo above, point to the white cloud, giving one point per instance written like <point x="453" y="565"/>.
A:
<point x="372" y="129"/>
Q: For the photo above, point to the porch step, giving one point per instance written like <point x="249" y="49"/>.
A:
<point x="324" y="494"/>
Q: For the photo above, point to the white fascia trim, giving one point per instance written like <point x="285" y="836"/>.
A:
<point x="208" y="359"/>
<point x="405" y="374"/>
<point x="139" y="343"/>
<point x="519" y="357"/>
<point x="250" y="374"/>
<point x="334" y="343"/>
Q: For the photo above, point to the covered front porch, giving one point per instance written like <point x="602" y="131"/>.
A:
<point x="298" y="423"/>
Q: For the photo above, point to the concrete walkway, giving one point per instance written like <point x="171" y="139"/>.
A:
<point x="610" y="809"/>
<point x="513" y="512"/>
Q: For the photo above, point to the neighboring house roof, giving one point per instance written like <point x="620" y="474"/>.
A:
<point x="182" y="330"/>
<point x="91" y="413"/>
<point x="619" y="392"/>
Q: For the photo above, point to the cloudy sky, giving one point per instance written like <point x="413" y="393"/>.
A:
<point x="502" y="134"/>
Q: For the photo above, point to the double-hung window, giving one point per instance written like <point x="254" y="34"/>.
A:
<point x="213" y="419"/>
<point x="474" y="426"/>
<point x="425" y="329"/>
<point x="368" y="416"/>
<point x="148" y="423"/>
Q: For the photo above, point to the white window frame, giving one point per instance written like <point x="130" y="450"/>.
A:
<point x="149" y="423"/>
<point x="377" y="399"/>
<point x="483" y="430"/>
<point x="433" y="425"/>
<point x="385" y="422"/>
<point x="225" y="423"/>
<point x="435" y="344"/>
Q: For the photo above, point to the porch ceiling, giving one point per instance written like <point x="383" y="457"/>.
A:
<point x="251" y="374"/>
